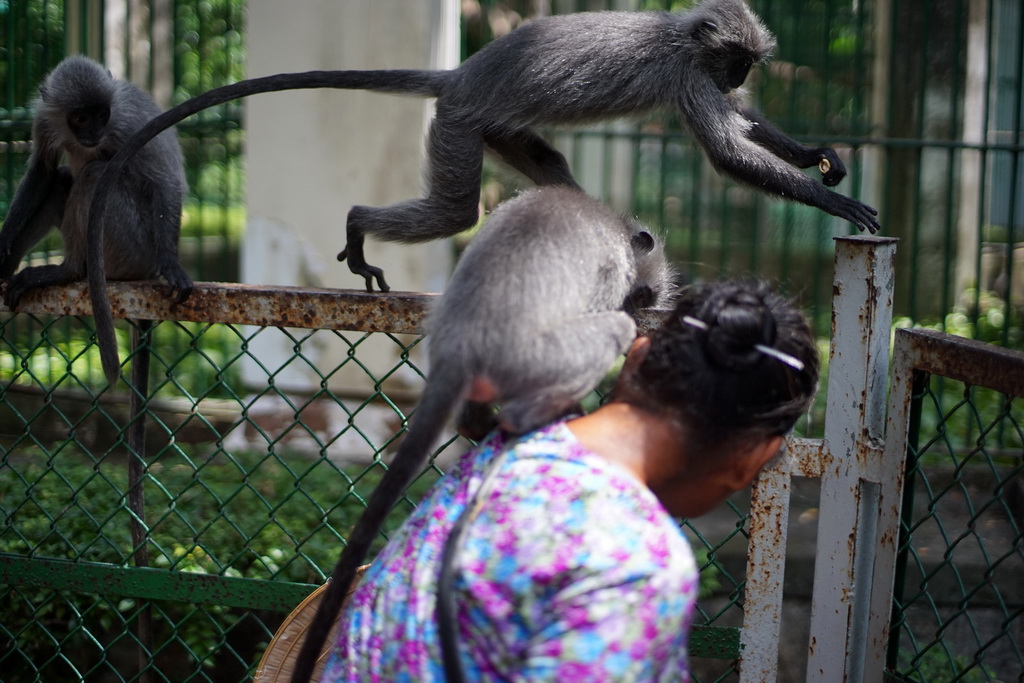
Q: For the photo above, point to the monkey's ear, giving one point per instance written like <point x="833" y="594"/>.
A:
<point x="642" y="241"/>
<point x="705" y="28"/>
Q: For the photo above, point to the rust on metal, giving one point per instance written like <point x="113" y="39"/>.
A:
<point x="966" y="360"/>
<point x="806" y="457"/>
<point x="239" y="304"/>
<point x="260" y="305"/>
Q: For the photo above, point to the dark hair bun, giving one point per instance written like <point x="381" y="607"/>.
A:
<point x="734" y="359"/>
<point x="737" y="322"/>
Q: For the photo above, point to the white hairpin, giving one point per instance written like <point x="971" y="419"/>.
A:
<point x="789" y="360"/>
<point x="694" y="322"/>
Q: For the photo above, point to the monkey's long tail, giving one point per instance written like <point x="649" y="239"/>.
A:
<point x="423" y="83"/>
<point x="444" y="391"/>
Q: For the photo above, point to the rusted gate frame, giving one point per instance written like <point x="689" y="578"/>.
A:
<point x="847" y="462"/>
<point x="916" y="354"/>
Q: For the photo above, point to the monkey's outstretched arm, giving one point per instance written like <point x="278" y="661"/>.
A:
<point x="723" y="133"/>
<point x="764" y="133"/>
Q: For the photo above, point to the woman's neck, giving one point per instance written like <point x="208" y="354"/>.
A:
<point x="647" y="445"/>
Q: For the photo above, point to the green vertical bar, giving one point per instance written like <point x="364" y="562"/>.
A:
<point x="949" y="236"/>
<point x="920" y="385"/>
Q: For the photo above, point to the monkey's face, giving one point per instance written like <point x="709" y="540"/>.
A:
<point x="736" y="72"/>
<point x="640" y="297"/>
<point x="89" y="124"/>
<point x="730" y="70"/>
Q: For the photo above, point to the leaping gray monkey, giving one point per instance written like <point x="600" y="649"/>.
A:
<point x="567" y="69"/>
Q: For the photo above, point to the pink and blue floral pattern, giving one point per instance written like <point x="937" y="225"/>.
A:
<point x="572" y="571"/>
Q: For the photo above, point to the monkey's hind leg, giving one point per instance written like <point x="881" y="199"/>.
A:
<point x="531" y="155"/>
<point x="454" y="167"/>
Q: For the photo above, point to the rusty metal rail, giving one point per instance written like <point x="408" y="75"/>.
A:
<point x="236" y="304"/>
<point x="262" y="306"/>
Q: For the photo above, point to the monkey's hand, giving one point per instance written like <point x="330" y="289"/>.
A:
<point x="177" y="280"/>
<point x="858" y="213"/>
<point x="831" y="167"/>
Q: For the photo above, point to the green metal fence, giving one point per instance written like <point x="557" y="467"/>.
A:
<point x="249" y="489"/>
<point x="958" y="611"/>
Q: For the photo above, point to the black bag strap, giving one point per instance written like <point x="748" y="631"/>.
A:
<point x="447" y="623"/>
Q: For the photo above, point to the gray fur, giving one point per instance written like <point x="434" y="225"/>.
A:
<point x="142" y="217"/>
<point x="577" y="68"/>
<point x="535" y="305"/>
<point x="567" y="70"/>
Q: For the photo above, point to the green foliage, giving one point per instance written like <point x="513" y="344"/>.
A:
<point x="984" y="316"/>
<point x="938" y="664"/>
<point x="247" y="515"/>
<point x="243" y="515"/>
<point x="194" y="359"/>
<point x="200" y="219"/>
<point x="209" y="44"/>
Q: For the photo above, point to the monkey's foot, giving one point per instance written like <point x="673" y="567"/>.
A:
<point x="177" y="281"/>
<point x="358" y="265"/>
<point x="16" y="287"/>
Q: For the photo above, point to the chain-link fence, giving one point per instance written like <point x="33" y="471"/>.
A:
<point x="958" y="608"/>
<point x="249" y="489"/>
<point x="959" y="600"/>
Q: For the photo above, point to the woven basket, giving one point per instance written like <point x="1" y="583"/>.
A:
<point x="278" y="661"/>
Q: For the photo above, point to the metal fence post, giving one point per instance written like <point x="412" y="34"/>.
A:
<point x="766" y="566"/>
<point x="854" y="428"/>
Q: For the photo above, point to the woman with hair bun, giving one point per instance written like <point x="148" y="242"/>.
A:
<point x="555" y="555"/>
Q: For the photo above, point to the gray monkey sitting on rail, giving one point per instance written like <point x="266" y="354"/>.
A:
<point x="83" y="117"/>
<point x="536" y="312"/>
<point x="568" y="69"/>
